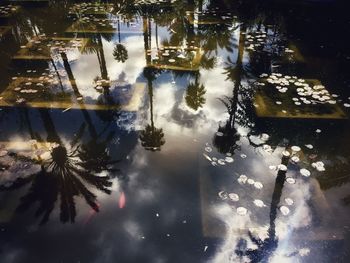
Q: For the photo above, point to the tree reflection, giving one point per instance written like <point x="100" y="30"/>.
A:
<point x="120" y="53"/>
<point x="152" y="138"/>
<point x="66" y="175"/>
<point x="225" y="139"/>
<point x="266" y="247"/>
<point x="195" y="94"/>
<point x="227" y="136"/>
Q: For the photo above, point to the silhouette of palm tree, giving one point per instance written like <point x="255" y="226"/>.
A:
<point x="195" y="94"/>
<point x="120" y="53"/>
<point x="265" y="248"/>
<point x="227" y="136"/>
<point x="152" y="138"/>
<point x="66" y="175"/>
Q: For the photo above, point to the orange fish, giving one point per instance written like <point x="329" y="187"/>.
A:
<point x="122" y="200"/>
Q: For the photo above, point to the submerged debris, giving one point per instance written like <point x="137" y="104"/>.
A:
<point x="207" y="157"/>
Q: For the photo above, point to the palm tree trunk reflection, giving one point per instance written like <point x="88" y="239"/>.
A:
<point x="152" y="138"/>
<point x="265" y="248"/>
<point x="227" y="136"/>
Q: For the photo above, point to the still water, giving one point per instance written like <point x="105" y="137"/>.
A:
<point x="174" y="131"/>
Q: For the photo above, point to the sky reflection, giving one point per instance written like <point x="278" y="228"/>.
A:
<point x="176" y="133"/>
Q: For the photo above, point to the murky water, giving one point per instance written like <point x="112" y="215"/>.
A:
<point x="174" y="131"/>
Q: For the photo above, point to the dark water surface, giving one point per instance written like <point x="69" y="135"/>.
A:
<point x="174" y="131"/>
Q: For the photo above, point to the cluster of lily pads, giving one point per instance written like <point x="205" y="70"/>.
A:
<point x="213" y="15"/>
<point x="7" y="10"/>
<point x="217" y="161"/>
<point x="255" y="40"/>
<point x="42" y="42"/>
<point x="306" y="93"/>
<point x="98" y="21"/>
<point x="172" y="54"/>
<point x="149" y="2"/>
<point x="293" y="154"/>
<point x="84" y="8"/>
<point x="294" y="157"/>
<point x="28" y="85"/>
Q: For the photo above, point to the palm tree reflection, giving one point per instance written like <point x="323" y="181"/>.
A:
<point x="120" y="53"/>
<point x="67" y="174"/>
<point x="265" y="248"/>
<point x="195" y="94"/>
<point x="225" y="139"/>
<point x="227" y="136"/>
<point x="152" y="138"/>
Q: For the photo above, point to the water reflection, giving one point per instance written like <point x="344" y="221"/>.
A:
<point x="152" y="138"/>
<point x="195" y="94"/>
<point x="266" y="247"/>
<point x="63" y="173"/>
<point x="187" y="115"/>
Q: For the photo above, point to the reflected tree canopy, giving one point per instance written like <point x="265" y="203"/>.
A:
<point x="195" y="94"/>
<point x="70" y="172"/>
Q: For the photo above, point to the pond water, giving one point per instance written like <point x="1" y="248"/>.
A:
<point x="174" y="131"/>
